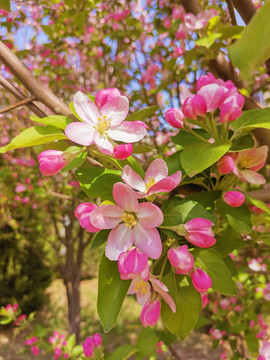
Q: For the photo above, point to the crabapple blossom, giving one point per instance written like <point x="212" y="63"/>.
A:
<point x="234" y="198"/>
<point x="194" y="106"/>
<point x="201" y="280"/>
<point x="150" y="312"/>
<point x="103" y="120"/>
<point x="175" y="118"/>
<point x="82" y="213"/>
<point x="133" y="263"/>
<point x="264" y="350"/>
<point x="51" y="162"/>
<point x="200" y="233"/>
<point x="156" y="179"/>
<point x="181" y="259"/>
<point x="131" y="222"/>
<point x="123" y="151"/>
<point x="225" y="165"/>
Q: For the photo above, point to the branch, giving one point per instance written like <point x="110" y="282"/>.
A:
<point x="36" y="88"/>
<point x="18" y="104"/>
<point x="231" y="12"/>
<point x="19" y="95"/>
<point x="262" y="194"/>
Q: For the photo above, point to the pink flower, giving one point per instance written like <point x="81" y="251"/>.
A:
<point x="213" y="95"/>
<point x="205" y="80"/>
<point x="181" y="259"/>
<point x="31" y="341"/>
<point x="20" y="188"/>
<point x="231" y="107"/>
<point x="57" y="353"/>
<point x="35" y="350"/>
<point x="51" y="162"/>
<point x="194" y="106"/>
<point x="225" y="165"/>
<point x="20" y="319"/>
<point x="205" y="300"/>
<point x="178" y="13"/>
<point x="102" y="120"/>
<point x="130" y="222"/>
<point x="123" y="151"/>
<point x="200" y="233"/>
<point x="156" y="179"/>
<point x="264" y="350"/>
<point x="88" y="347"/>
<point x="247" y="162"/>
<point x="181" y="32"/>
<point x="150" y="313"/>
<point x="175" y="118"/>
<point x="97" y="339"/>
<point x="234" y="198"/>
<point x="82" y="213"/>
<point x="132" y="264"/>
<point x="201" y="280"/>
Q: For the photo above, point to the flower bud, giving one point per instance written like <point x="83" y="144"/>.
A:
<point x="122" y="152"/>
<point x="132" y="263"/>
<point x="225" y="165"/>
<point x="200" y="232"/>
<point x="150" y="313"/>
<point x="201" y="280"/>
<point x="181" y="259"/>
<point x="194" y="106"/>
<point x="97" y="339"/>
<point x="82" y="213"/>
<point x="51" y="162"/>
<point x="234" y="198"/>
<point x="175" y="118"/>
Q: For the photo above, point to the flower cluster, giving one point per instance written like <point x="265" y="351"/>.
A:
<point x="90" y="344"/>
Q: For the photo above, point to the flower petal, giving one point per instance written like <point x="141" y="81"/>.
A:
<point x="252" y="177"/>
<point x="85" y="108"/>
<point x="102" y="142"/>
<point x="157" y="170"/>
<point x="119" y="240"/>
<point x="116" y="110"/>
<point x="148" y="241"/>
<point x="104" y="95"/>
<point x="149" y="215"/>
<point x="106" y="216"/>
<point x="201" y="240"/>
<point x="164" y="185"/>
<point x="128" y="132"/>
<point x="81" y="133"/>
<point x="125" y="197"/>
<point x="131" y="178"/>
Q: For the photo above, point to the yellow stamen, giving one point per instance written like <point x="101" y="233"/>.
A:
<point x="245" y="162"/>
<point x="129" y="220"/>
<point x="141" y="287"/>
<point x="150" y="183"/>
<point x="103" y="124"/>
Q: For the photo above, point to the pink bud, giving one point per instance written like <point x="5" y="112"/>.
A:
<point x="88" y="347"/>
<point x="194" y="106"/>
<point x="178" y="52"/>
<point x="82" y="213"/>
<point x="51" y="162"/>
<point x="231" y="107"/>
<point x="122" y="152"/>
<point x="181" y="259"/>
<point x="200" y="233"/>
<point x="205" y="80"/>
<point x="97" y="339"/>
<point x="178" y="13"/>
<point x="201" y="280"/>
<point x="35" y="350"/>
<point x="150" y="313"/>
<point x="167" y="23"/>
<point x="234" y="198"/>
<point x="20" y="188"/>
<point x="205" y="300"/>
<point x="225" y="165"/>
<point x="175" y="118"/>
<point x="105" y="95"/>
<point x="181" y="32"/>
<point x="132" y="263"/>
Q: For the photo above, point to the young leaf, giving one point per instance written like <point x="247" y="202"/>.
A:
<point x="100" y="238"/>
<point x="32" y="136"/>
<point x="243" y="143"/>
<point x="212" y="262"/>
<point x="123" y="352"/>
<point x="251" y="119"/>
<point x="258" y="203"/>
<point x="206" y="155"/>
<point x="58" y="121"/>
<point x="143" y="113"/>
<point x="188" y="305"/>
<point x="146" y="344"/>
<point x="111" y="292"/>
<point x="98" y="182"/>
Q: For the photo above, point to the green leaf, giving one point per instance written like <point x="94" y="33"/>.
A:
<point x="231" y="265"/>
<point x="188" y="305"/>
<point x="146" y="344"/>
<point x="100" y="238"/>
<point x="243" y="143"/>
<point x="209" y="40"/>
<point x="206" y="155"/>
<point x="34" y="136"/>
<point x="72" y="109"/>
<point x="58" y="121"/>
<point x="252" y="342"/>
<point x="98" y="182"/>
<point x="185" y="138"/>
<point x="258" y="203"/>
<point x="212" y="262"/>
<point x="226" y="244"/>
<point x="239" y="218"/>
<point x="202" y="321"/>
<point x="253" y="48"/>
<point x="71" y="341"/>
<point x="5" y="4"/>
<point x="5" y="320"/>
<point x="251" y="119"/>
<point x="77" y="350"/>
<point x="178" y="211"/>
<point x="111" y="292"/>
<point x="205" y="198"/>
<point x="135" y="165"/>
<point x="76" y="162"/>
<point x="173" y="163"/>
<point x="143" y="113"/>
<point x="123" y="352"/>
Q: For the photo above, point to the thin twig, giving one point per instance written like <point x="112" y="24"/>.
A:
<point x="61" y="196"/>
<point x="231" y="12"/>
<point x="16" y="105"/>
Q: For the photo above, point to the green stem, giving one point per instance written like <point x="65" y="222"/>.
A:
<point x="198" y="136"/>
